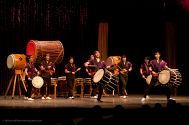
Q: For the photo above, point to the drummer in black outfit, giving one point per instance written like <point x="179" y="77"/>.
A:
<point x="47" y="70"/>
<point x="145" y="71"/>
<point x="30" y="72"/>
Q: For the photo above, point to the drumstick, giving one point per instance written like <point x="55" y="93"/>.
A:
<point x="58" y="56"/>
<point x="92" y="65"/>
<point x="78" y="69"/>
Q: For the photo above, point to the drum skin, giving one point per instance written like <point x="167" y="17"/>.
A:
<point x="37" y="82"/>
<point x="98" y="75"/>
<point x="164" y="76"/>
<point x="38" y="49"/>
<point x="16" y="61"/>
<point x="171" y="78"/>
<point x="148" y="79"/>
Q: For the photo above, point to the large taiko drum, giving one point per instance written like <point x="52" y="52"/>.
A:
<point x="171" y="77"/>
<point x="38" y="49"/>
<point x="106" y="78"/>
<point x="111" y="60"/>
<point x="16" y="61"/>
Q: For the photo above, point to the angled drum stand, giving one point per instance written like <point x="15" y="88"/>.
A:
<point x="17" y="75"/>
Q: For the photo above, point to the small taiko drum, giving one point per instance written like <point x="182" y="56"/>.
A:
<point x="113" y="60"/>
<point x="54" y="81"/>
<point x="148" y="79"/>
<point x="171" y="78"/>
<point x="37" y="82"/>
<point x="38" y="49"/>
<point x="88" y="80"/>
<point x="16" y="61"/>
<point x="62" y="78"/>
<point x="106" y="78"/>
<point x="79" y="81"/>
<point x="62" y="85"/>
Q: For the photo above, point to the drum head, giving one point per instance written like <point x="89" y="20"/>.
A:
<point x="31" y="49"/>
<point x="109" y="61"/>
<point x="98" y="75"/>
<point x="148" y="79"/>
<point x="37" y="82"/>
<point x="61" y="78"/>
<point x="10" y="61"/>
<point x="164" y="76"/>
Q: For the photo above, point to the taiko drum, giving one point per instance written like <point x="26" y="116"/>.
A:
<point x="38" y="49"/>
<point x="16" y="61"/>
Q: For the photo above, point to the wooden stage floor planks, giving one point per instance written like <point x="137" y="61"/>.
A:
<point x="64" y="110"/>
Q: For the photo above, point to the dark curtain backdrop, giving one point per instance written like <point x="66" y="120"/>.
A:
<point x="23" y="20"/>
<point x="136" y="28"/>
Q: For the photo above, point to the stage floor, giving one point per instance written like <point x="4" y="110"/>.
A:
<point x="132" y="101"/>
<point x="62" y="110"/>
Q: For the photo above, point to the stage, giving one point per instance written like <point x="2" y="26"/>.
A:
<point x="86" y="110"/>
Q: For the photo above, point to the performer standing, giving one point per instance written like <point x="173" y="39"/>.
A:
<point x="70" y="70"/>
<point x="157" y="66"/>
<point x="125" y="67"/>
<point x="47" y="70"/>
<point x="99" y="64"/>
<point x="145" y="71"/>
<point x="30" y="73"/>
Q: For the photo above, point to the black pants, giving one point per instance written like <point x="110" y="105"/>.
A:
<point x="94" y="89"/>
<point x="100" y="91"/>
<point x="47" y="82"/>
<point x="70" y="85"/>
<point x="153" y="84"/>
<point x="29" y="88"/>
<point x="123" y="83"/>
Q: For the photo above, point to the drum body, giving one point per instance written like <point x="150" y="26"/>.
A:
<point x="88" y="80"/>
<point x="38" y="49"/>
<point x="37" y="82"/>
<point x="79" y="81"/>
<point x="171" y="77"/>
<point x="54" y="81"/>
<point x="62" y="89"/>
<point x="62" y="78"/>
<point x="113" y="60"/>
<point x="16" y="61"/>
<point x="106" y="78"/>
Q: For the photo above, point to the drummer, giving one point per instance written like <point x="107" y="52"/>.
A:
<point x="145" y="70"/>
<point x="125" y="67"/>
<point x="47" y="70"/>
<point x="30" y="73"/>
<point x="157" y="66"/>
<point x="99" y="64"/>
